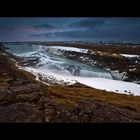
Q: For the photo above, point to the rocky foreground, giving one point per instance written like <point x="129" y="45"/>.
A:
<point x="23" y="99"/>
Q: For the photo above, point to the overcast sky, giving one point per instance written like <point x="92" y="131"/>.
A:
<point x="70" y="29"/>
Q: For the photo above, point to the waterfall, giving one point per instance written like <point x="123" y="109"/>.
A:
<point x="50" y="59"/>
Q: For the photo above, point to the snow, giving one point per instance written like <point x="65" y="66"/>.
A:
<point x="69" y="49"/>
<point x="129" y="55"/>
<point x="119" y="76"/>
<point x="98" y="83"/>
<point x="136" y="62"/>
<point x="132" y="69"/>
<point x="114" y="54"/>
<point x="4" y="53"/>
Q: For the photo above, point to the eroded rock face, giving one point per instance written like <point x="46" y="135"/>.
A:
<point x="30" y="61"/>
<point x="120" y="63"/>
<point x="20" y="112"/>
<point x="95" y="111"/>
<point x="92" y="111"/>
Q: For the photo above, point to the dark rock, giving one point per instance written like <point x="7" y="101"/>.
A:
<point x="20" y="112"/>
<point x="30" y="61"/>
<point x="26" y="88"/>
<point x="2" y="48"/>
<point x="5" y="91"/>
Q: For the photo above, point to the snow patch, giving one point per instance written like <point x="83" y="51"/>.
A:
<point x="132" y="69"/>
<point x="98" y="83"/>
<point x="130" y="55"/>
<point x="69" y="49"/>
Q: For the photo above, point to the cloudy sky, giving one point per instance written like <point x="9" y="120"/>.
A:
<point x="70" y="29"/>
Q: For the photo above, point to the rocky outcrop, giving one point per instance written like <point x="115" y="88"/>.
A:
<point x="29" y="61"/>
<point x="109" y="62"/>
<point x="90" y="111"/>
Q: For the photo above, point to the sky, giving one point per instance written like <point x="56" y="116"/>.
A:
<point x="70" y="29"/>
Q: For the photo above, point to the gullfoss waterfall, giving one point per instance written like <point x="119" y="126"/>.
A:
<point x="49" y="65"/>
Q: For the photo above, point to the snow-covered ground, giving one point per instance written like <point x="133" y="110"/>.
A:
<point x="130" y="55"/>
<point x="68" y="49"/>
<point x="98" y="83"/>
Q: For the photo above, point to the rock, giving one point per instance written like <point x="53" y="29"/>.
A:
<point x="2" y="48"/>
<point x="20" y="112"/>
<point x="30" y="61"/>
<point x="26" y="88"/>
<point x="101" y="112"/>
<point x="8" y="80"/>
<point x="5" y="91"/>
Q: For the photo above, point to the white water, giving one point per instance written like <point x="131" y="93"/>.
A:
<point x="50" y="60"/>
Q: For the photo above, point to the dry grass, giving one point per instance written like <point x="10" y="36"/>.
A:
<point x="70" y="95"/>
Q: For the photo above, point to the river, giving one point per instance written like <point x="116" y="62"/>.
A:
<point x="55" y="63"/>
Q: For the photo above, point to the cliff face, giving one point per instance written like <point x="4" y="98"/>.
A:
<point x="23" y="99"/>
<point x="108" y="60"/>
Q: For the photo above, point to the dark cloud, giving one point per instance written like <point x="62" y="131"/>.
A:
<point x="44" y="26"/>
<point x="119" y="29"/>
<point x="72" y="35"/>
<point x="102" y="34"/>
<point x="88" y="23"/>
<point x="7" y="27"/>
<point x="40" y="35"/>
<point x="44" y="35"/>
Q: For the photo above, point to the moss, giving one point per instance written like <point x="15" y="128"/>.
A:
<point x="64" y="102"/>
<point x="74" y="94"/>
